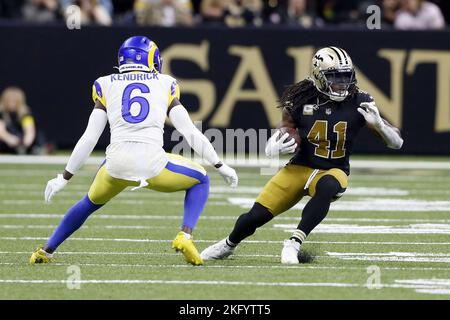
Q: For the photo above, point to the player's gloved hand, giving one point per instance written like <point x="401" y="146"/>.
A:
<point x="228" y="174"/>
<point x="276" y="144"/>
<point x="54" y="186"/>
<point x="370" y="112"/>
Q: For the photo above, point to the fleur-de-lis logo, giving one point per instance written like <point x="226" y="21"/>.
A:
<point x="318" y="57"/>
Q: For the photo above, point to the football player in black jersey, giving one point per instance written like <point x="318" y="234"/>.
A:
<point x="328" y="110"/>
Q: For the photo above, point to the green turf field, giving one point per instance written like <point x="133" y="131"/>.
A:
<point x="392" y="225"/>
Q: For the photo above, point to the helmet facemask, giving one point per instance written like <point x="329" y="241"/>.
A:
<point x="333" y="73"/>
<point x="337" y="83"/>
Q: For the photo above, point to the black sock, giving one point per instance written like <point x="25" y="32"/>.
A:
<point x="247" y="223"/>
<point x="317" y="208"/>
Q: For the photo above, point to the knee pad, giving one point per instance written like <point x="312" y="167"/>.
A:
<point x="256" y="217"/>
<point x="329" y="187"/>
<point x="338" y="195"/>
<point x="259" y="214"/>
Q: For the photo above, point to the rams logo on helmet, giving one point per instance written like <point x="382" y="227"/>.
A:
<point x="139" y="53"/>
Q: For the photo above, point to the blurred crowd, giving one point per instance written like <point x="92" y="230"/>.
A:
<point x="398" y="14"/>
<point x="19" y="133"/>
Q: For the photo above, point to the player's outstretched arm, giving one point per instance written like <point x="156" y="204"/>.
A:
<point x="180" y="119"/>
<point x="82" y="150"/>
<point x="279" y="143"/>
<point x="389" y="133"/>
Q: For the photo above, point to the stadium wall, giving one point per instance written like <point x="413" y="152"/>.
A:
<point x="232" y="78"/>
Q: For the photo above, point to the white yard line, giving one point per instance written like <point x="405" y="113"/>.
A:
<point x="418" y="229"/>
<point x="238" y="255"/>
<point x="393" y="256"/>
<point x="226" y="283"/>
<point x="188" y="282"/>
<point x="99" y="216"/>
<point x="430" y="286"/>
<point x="217" y="191"/>
<point x="245" y="241"/>
<point x="386" y="220"/>
<point x="59" y="201"/>
<point x="112" y="227"/>
<point x="119" y="216"/>
<point x="214" y="266"/>
<point x="94" y="253"/>
<point x="11" y="193"/>
<point x="12" y="159"/>
<point x="423" y="228"/>
<point x="364" y="205"/>
<point x="434" y="291"/>
<point x="224" y="190"/>
<point x="23" y="202"/>
<point x="352" y="190"/>
<point x="243" y="162"/>
<point x="398" y="259"/>
<point x="416" y="180"/>
<point x="37" y="173"/>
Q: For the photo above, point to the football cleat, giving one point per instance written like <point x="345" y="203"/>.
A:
<point x="187" y="247"/>
<point x="219" y="250"/>
<point x="289" y="254"/>
<point x="40" y="256"/>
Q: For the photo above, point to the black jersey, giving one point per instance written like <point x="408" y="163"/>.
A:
<point x="14" y="123"/>
<point x="327" y="130"/>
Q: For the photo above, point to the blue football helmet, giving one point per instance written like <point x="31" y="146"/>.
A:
<point x="139" y="53"/>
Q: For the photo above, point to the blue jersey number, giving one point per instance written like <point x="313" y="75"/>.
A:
<point x="127" y="102"/>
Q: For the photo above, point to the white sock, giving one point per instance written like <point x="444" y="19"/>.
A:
<point x="187" y="235"/>
<point x="229" y="243"/>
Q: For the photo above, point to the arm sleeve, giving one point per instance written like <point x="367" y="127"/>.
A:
<point x="87" y="142"/>
<point x="179" y="117"/>
<point x="390" y="135"/>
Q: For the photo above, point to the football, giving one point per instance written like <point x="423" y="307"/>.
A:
<point x="293" y="133"/>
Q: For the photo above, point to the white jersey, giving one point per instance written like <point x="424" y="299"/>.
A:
<point x="136" y="104"/>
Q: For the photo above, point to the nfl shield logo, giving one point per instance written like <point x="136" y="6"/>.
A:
<point x="328" y="111"/>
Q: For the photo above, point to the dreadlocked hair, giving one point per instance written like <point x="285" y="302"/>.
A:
<point x="298" y="94"/>
<point x="301" y="93"/>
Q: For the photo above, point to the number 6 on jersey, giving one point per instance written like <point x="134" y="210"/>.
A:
<point x="127" y="103"/>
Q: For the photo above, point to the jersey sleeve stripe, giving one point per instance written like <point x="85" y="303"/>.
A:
<point x="174" y="92"/>
<point x="97" y="93"/>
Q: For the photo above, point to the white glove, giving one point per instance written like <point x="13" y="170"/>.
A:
<point x="390" y="135"/>
<point x="370" y="112"/>
<point x="54" y="186"/>
<point x="275" y="145"/>
<point x="229" y="175"/>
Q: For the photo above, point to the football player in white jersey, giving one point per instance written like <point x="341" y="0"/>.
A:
<point x="135" y="102"/>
